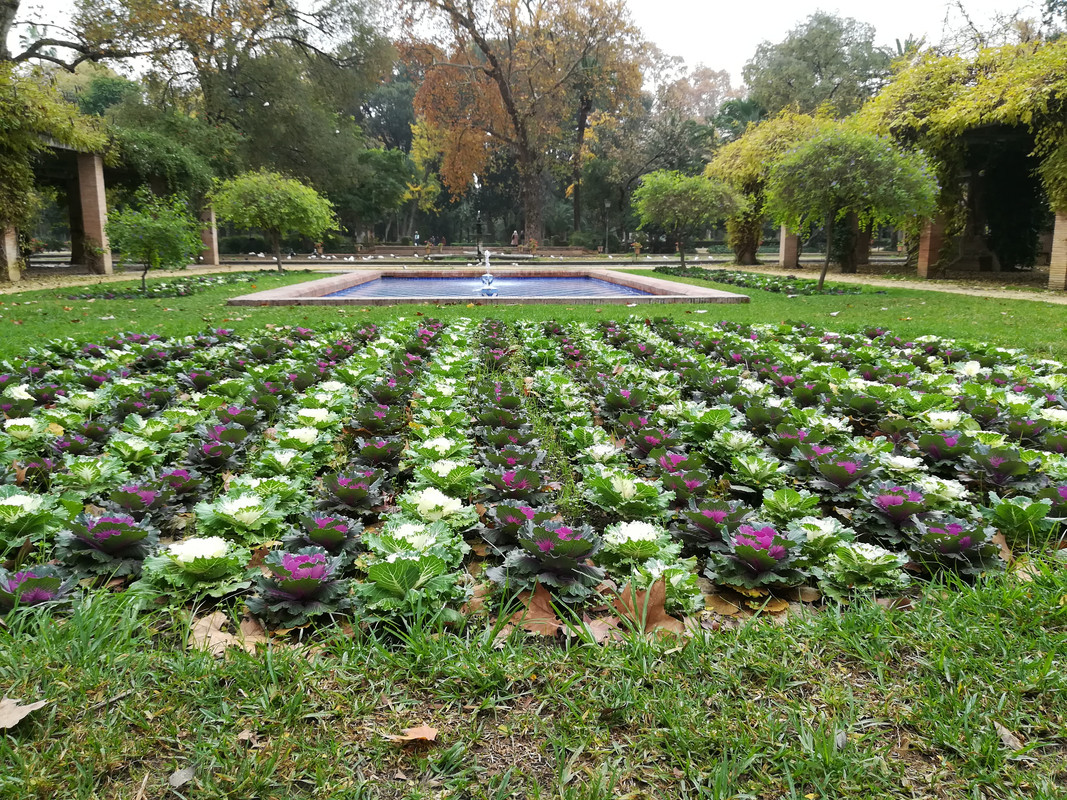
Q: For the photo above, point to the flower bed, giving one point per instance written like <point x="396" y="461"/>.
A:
<point x="423" y="469"/>
<point x="779" y="284"/>
<point x="174" y="287"/>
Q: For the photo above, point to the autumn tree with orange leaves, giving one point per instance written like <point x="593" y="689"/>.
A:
<point x="519" y="78"/>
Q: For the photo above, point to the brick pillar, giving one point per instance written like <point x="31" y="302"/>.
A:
<point x="788" y="249"/>
<point x="931" y="241"/>
<point x="209" y="235"/>
<point x="9" y="255"/>
<point x="94" y="212"/>
<point x="1057" y="268"/>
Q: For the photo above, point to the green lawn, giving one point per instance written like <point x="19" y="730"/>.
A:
<point x="30" y="317"/>
<point x="865" y="702"/>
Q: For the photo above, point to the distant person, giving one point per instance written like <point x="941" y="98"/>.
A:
<point x="514" y="238"/>
<point x="416" y="238"/>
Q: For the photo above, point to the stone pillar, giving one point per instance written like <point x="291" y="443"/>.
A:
<point x="1057" y="268"/>
<point x="94" y="212"/>
<point x="9" y="255"/>
<point x="74" y="219"/>
<point x="209" y="235"/>
<point x="788" y="249"/>
<point x="931" y="241"/>
<point x="863" y="246"/>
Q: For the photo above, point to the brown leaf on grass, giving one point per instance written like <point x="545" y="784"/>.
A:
<point x="537" y="616"/>
<point x="500" y="639"/>
<point x="480" y="549"/>
<point x="1024" y="569"/>
<point x="803" y="594"/>
<point x="477" y="601"/>
<point x="423" y="733"/>
<point x="645" y="608"/>
<point x="12" y="711"/>
<point x="207" y="634"/>
<point x="603" y="629"/>
<point x="1002" y="544"/>
<point x="774" y="605"/>
<point x="1009" y="739"/>
<point x="894" y="603"/>
<point x="721" y="605"/>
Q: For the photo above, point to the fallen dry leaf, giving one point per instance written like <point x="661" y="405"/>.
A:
<point x="477" y="601"/>
<point x="774" y="605"/>
<point x="645" y="608"/>
<point x="1002" y="543"/>
<point x="12" y="711"/>
<point x="537" y="616"/>
<point x="207" y="634"/>
<point x="1009" y="739"/>
<point x="721" y="605"/>
<point x="423" y="733"/>
<point x="180" y="777"/>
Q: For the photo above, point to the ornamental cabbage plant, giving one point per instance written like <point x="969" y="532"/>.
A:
<point x="300" y="587"/>
<point x="336" y="534"/>
<point x="555" y="555"/>
<point x="32" y="586"/>
<point x="622" y="496"/>
<point x="196" y="568"/>
<point x="855" y="568"/>
<point x="245" y="518"/>
<point x="951" y="543"/>
<point x="433" y="505"/>
<point x="108" y="544"/>
<point x="27" y="516"/>
<point x="628" y="544"/>
<point x="403" y="583"/>
<point x="756" y="555"/>
<point x="402" y="535"/>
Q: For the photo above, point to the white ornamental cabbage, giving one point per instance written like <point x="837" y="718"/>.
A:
<point x="245" y="509"/>
<point x="21" y="428"/>
<point x="944" y="420"/>
<point x="306" y="436"/>
<point x="1054" y="416"/>
<point x="637" y="531"/>
<point x="433" y="504"/>
<point x="901" y="463"/>
<point x="191" y="549"/>
<point x="18" y="392"/>
<point x="19" y="505"/>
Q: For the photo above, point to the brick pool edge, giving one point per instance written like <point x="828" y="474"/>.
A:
<point x="313" y="293"/>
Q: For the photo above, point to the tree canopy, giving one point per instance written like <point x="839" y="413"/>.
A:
<point x="681" y="205"/>
<point x="824" y="60"/>
<point x="275" y="204"/>
<point x="842" y="172"/>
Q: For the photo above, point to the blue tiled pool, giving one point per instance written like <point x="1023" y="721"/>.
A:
<point x="471" y="288"/>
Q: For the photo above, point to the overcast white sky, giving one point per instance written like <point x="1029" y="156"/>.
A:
<point x="724" y="35"/>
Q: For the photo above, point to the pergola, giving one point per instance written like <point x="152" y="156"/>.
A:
<point x="83" y="177"/>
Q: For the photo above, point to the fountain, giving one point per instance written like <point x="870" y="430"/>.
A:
<point x="487" y="290"/>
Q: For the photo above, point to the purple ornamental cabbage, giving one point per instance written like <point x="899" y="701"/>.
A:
<point x="301" y="586"/>
<point x="756" y="555"/>
<point x="31" y="586"/>
<point x="954" y="544"/>
<point x="705" y="524"/>
<point x="898" y="504"/>
<point x="332" y="532"/>
<point x="139" y="500"/>
<point x="109" y="544"/>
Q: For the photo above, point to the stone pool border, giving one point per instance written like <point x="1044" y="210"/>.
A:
<point x="312" y="293"/>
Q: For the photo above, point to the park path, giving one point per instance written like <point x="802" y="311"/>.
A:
<point x="38" y="281"/>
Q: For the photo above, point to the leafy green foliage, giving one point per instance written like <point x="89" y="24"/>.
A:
<point x="155" y="232"/>
<point x="274" y="203"/>
<point x="681" y="205"/>
<point x="841" y="173"/>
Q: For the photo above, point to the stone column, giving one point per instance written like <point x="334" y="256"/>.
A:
<point x="94" y="212"/>
<point x="209" y="235"/>
<point x="788" y="249"/>
<point x="9" y="255"/>
<point x="74" y="219"/>
<point x="931" y="241"/>
<point x="1057" y="268"/>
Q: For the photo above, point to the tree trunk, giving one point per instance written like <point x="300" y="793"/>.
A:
<point x="144" y="283"/>
<point x="829" y="246"/>
<point x="584" y="107"/>
<point x="8" y="11"/>
<point x="847" y="251"/>
<point x="680" y="244"/>
<point x="276" y="247"/>
<point x="744" y="234"/>
<point x="531" y="199"/>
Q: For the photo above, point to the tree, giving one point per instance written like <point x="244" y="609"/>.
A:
<point x="842" y="173"/>
<point x="504" y="78"/>
<point x="735" y="115"/>
<point x="275" y="204"/>
<point x="682" y="206"/>
<point x="746" y="164"/>
<point x="33" y="113"/>
<point x="155" y="232"/>
<point x="826" y="59"/>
